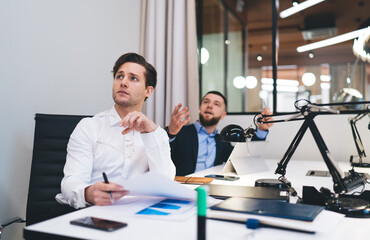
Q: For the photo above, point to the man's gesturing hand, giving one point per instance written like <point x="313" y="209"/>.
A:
<point x="178" y="119"/>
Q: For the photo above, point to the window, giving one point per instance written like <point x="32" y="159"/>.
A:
<point x="221" y="38"/>
<point x="235" y="47"/>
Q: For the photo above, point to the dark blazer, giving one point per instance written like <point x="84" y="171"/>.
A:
<point x="184" y="150"/>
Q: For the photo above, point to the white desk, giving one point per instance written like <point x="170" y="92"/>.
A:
<point x="142" y="228"/>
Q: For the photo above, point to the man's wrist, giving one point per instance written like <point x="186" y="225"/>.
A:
<point x="170" y="136"/>
<point x="261" y="134"/>
<point x="87" y="195"/>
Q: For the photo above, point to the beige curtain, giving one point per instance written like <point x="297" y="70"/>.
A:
<point x="168" y="41"/>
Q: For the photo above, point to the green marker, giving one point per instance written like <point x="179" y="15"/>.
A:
<point x="202" y="209"/>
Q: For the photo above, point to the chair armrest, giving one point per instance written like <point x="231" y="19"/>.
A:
<point x="10" y="221"/>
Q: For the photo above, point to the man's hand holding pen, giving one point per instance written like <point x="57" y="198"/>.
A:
<point x="98" y="193"/>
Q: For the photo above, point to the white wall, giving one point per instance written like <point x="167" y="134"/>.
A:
<point x="334" y="129"/>
<point x="56" y="56"/>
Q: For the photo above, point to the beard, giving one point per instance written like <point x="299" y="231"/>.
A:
<point x="210" y="122"/>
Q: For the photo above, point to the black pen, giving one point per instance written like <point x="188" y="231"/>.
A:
<point x="110" y="192"/>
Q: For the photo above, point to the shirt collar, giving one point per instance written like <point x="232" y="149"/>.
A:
<point x="201" y="129"/>
<point x="114" y="118"/>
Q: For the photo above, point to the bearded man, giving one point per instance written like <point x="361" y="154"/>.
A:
<point x="198" y="146"/>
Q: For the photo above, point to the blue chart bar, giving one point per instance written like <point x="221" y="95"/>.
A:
<point x="178" y="201"/>
<point x="168" y="205"/>
<point x="165" y="206"/>
<point x="149" y="211"/>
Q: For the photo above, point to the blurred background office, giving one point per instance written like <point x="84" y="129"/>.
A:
<point x="57" y="55"/>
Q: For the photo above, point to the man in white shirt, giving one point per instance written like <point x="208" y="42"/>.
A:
<point x="122" y="141"/>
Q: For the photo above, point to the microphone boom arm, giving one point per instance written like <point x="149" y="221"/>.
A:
<point x="341" y="183"/>
<point x="358" y="142"/>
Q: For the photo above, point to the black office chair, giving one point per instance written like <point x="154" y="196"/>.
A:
<point x="52" y="133"/>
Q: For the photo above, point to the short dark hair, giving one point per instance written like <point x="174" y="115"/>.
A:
<point x="150" y="72"/>
<point x="217" y="93"/>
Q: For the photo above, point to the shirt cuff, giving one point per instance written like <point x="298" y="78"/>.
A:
<point x="153" y="139"/>
<point x="261" y="134"/>
<point x="172" y="139"/>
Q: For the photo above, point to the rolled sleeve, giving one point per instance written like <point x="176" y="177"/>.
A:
<point x="78" y="167"/>
<point x="158" y="152"/>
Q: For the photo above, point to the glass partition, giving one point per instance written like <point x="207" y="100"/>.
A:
<point x="234" y="45"/>
<point x="212" y="51"/>
<point x="236" y="35"/>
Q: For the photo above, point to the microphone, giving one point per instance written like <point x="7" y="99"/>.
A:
<point x="249" y="132"/>
<point x="235" y="133"/>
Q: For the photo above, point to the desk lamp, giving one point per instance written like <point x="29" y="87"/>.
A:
<point x="357" y="139"/>
<point x="342" y="184"/>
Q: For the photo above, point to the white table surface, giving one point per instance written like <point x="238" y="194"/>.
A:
<point x="142" y="228"/>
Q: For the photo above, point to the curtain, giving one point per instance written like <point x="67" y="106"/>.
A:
<point x="169" y="43"/>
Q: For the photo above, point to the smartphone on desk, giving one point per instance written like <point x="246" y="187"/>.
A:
<point x="223" y="177"/>
<point x="99" y="223"/>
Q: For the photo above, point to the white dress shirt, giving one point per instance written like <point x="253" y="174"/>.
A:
<point x="97" y="145"/>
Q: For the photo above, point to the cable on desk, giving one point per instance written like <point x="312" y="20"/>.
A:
<point x="292" y="191"/>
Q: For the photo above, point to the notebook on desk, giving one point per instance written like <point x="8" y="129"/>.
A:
<point x="270" y="208"/>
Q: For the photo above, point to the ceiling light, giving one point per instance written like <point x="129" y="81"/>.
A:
<point x="308" y="79"/>
<point x="279" y="88"/>
<point x="295" y="3"/>
<point x="334" y="40"/>
<point x="286" y="89"/>
<point x="325" y="85"/>
<point x="251" y="82"/>
<point x="282" y="82"/>
<point x="263" y="94"/>
<point x="204" y="55"/>
<point x="311" y="55"/>
<point x="303" y="5"/>
<point x="348" y="80"/>
<point x="267" y="87"/>
<point x="259" y="57"/>
<point x="239" y="82"/>
<point x="325" y="78"/>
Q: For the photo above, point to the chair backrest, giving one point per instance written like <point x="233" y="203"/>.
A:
<point x="52" y="133"/>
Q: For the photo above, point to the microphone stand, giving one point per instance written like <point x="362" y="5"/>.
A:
<point x="358" y="142"/>
<point x="342" y="184"/>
